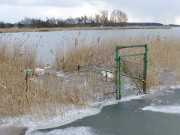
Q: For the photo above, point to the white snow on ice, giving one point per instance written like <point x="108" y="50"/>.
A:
<point x="175" y="86"/>
<point x="67" y="131"/>
<point x="69" y="117"/>
<point x="75" y="114"/>
<point x="174" y="109"/>
<point x="59" y="74"/>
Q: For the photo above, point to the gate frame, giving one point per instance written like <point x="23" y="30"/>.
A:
<point x="118" y="68"/>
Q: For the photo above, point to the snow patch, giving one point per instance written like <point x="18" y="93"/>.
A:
<point x="129" y="98"/>
<point x="75" y="114"/>
<point x="68" y="117"/>
<point x="39" y="72"/>
<point x="175" y="87"/>
<point x="67" y="131"/>
<point x="164" y="109"/>
<point x="59" y="74"/>
<point x="169" y="91"/>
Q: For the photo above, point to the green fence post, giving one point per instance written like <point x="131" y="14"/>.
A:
<point x="145" y="70"/>
<point x="106" y="76"/>
<point x="26" y="78"/>
<point x="117" y="93"/>
<point x="78" y="68"/>
<point x="119" y="77"/>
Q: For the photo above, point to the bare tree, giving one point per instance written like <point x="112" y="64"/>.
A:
<point x="70" y="21"/>
<point x="78" y="20"/>
<point x="85" y="19"/>
<point x="97" y="19"/>
<point x="104" y="17"/>
<point x="118" y="17"/>
<point x="121" y="18"/>
<point x="26" y="22"/>
<point x="51" y="22"/>
<point x="60" y="22"/>
<point x="113" y="17"/>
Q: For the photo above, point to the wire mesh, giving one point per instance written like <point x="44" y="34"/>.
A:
<point x="132" y="69"/>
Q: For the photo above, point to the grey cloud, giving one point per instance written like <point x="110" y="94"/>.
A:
<point x="157" y="10"/>
<point x="35" y="3"/>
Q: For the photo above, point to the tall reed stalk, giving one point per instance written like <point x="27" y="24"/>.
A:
<point x="163" y="53"/>
<point x="44" y="95"/>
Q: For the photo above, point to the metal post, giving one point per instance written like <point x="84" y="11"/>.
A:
<point x="117" y="93"/>
<point x="78" y="68"/>
<point x="145" y="70"/>
<point x="106" y="76"/>
<point x="63" y="62"/>
<point x="26" y="78"/>
<point x="119" y="77"/>
<point x="118" y="72"/>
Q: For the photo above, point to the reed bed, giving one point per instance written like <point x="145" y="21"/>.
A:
<point x="163" y="53"/>
<point x="47" y="96"/>
<point x="41" y="97"/>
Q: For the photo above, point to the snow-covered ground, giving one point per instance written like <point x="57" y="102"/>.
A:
<point x="70" y="116"/>
<point x="76" y="113"/>
<point x="67" y="131"/>
<point x="175" y="109"/>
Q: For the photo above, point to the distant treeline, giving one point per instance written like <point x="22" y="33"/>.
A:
<point x="103" y="18"/>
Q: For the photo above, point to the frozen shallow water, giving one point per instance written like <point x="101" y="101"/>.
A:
<point x="157" y="114"/>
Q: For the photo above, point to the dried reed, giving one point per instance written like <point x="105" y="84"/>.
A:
<point x="163" y="53"/>
<point x="44" y="95"/>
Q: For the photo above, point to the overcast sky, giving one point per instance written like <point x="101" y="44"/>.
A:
<point x="163" y="11"/>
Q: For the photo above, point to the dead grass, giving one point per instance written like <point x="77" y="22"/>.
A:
<point x="163" y="53"/>
<point x="44" y="95"/>
<point x="40" y="95"/>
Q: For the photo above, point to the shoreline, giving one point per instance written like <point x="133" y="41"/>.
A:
<point x="158" y="70"/>
<point x="72" y="115"/>
<point x="14" y="30"/>
<point x="7" y="129"/>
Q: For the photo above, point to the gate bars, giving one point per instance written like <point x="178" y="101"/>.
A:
<point x="119" y="70"/>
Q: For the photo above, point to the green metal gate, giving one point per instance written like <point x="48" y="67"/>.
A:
<point x="122" y="69"/>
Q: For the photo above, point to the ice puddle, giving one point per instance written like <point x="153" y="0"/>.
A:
<point x="173" y="109"/>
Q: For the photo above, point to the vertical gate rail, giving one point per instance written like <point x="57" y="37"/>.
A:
<point x="119" y="70"/>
